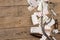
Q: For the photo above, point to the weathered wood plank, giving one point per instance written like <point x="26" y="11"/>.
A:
<point x="57" y="8"/>
<point x="54" y="1"/>
<point x="15" y="21"/>
<point x="57" y="36"/>
<point x="8" y="11"/>
<point x="15" y="11"/>
<point x="22" y="39"/>
<point x="6" y="2"/>
<point x="9" y="22"/>
<point x="25" y="39"/>
<point x="16" y="34"/>
<point x="17" y="16"/>
<point x="13" y="2"/>
<point x="59" y="26"/>
<point x="17" y="2"/>
<point x="20" y="2"/>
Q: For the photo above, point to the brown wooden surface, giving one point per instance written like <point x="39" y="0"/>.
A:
<point x="15" y="20"/>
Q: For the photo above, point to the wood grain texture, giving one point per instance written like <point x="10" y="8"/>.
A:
<point x="15" y="20"/>
<point x="54" y="1"/>
<point x="12" y="2"/>
<point x="16" y="33"/>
